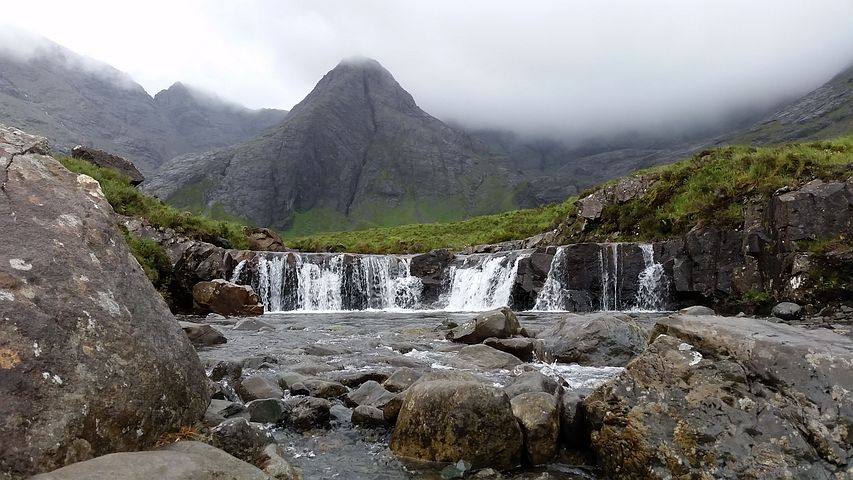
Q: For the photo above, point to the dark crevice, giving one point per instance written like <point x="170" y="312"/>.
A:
<point x="6" y="177"/>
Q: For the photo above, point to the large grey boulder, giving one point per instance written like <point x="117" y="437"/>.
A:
<point x="487" y="357"/>
<point x="728" y="398"/>
<point x="500" y="323"/>
<point x="225" y="298"/>
<point x="448" y="421"/>
<point x="596" y="339"/>
<point x="259" y="385"/>
<point x="91" y="359"/>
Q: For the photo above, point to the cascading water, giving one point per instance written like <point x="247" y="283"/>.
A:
<point x="238" y="270"/>
<point x="652" y="283"/>
<point x="609" y="267"/>
<point x="552" y="296"/>
<point x="482" y="283"/>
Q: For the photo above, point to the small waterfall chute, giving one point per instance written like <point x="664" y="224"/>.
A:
<point x="553" y="295"/>
<point x="482" y="282"/>
<point x="652" y="283"/>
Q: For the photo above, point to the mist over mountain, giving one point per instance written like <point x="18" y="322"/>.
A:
<point x="70" y="99"/>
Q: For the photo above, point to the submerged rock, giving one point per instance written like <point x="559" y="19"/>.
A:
<point x="91" y="359"/>
<point x="225" y="298"/>
<point x="728" y="398"/>
<point x="597" y="339"/>
<point x="500" y="323"/>
<point x="447" y="421"/>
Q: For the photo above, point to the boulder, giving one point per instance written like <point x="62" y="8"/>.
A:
<point x="447" y="421"/>
<point x="488" y="358"/>
<point x="401" y="379"/>
<point x="108" y="160"/>
<point x="252" y="325"/>
<point x="697" y="310"/>
<point x="273" y="463"/>
<point x="817" y="211"/>
<point x="259" y="385"/>
<point x="525" y="349"/>
<point x="323" y="388"/>
<point x="367" y="416"/>
<point x="500" y="323"/>
<point x="177" y="461"/>
<point x="225" y="298"/>
<point x="307" y="413"/>
<point x="264" y="239"/>
<point x="226" y="370"/>
<point x="728" y="398"/>
<point x="202" y="335"/>
<point x="596" y="339"/>
<point x="573" y="431"/>
<point x="787" y="311"/>
<point x="91" y="359"/>
<point x="354" y="378"/>
<point x="240" y="438"/>
<point x="539" y="416"/>
<point x="429" y="267"/>
<point x="369" y="393"/>
<point x="530" y="382"/>
<point x="267" y="410"/>
<point x="220" y="410"/>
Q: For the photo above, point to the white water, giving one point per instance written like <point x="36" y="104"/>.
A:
<point x="482" y="283"/>
<point x="609" y="266"/>
<point x="552" y="297"/>
<point x="235" y="275"/>
<point x="652" y="283"/>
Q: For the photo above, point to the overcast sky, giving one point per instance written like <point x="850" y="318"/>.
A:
<point x="539" y="66"/>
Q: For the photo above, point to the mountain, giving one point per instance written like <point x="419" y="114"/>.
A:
<point x="356" y="152"/>
<point x="826" y="112"/>
<point x="71" y="99"/>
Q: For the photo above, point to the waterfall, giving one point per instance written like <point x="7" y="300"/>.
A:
<point x="552" y="297"/>
<point x="270" y="280"/>
<point x="652" y="283"/>
<point x="235" y="275"/>
<point x="609" y="267"/>
<point x="482" y="283"/>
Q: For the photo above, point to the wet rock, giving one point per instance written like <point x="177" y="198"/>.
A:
<point x="697" y="310"/>
<point x="454" y="375"/>
<point x="780" y="390"/>
<point x="263" y="239"/>
<point x="353" y="379"/>
<point x="446" y="421"/>
<point x="367" y="416"/>
<point x="530" y="382"/>
<point x="307" y="413"/>
<point x="340" y="413"/>
<point x="299" y="388"/>
<point x="91" y="359"/>
<point x="323" y="388"/>
<point x="108" y="160"/>
<point x="252" y="324"/>
<point x="597" y="339"/>
<point x="401" y="379"/>
<point x="267" y="410"/>
<point x="573" y="431"/>
<point x="176" y="461"/>
<point x="455" y="470"/>
<point x="289" y="379"/>
<point x="539" y="415"/>
<point x="225" y="298"/>
<point x="525" y="349"/>
<point x="203" y="335"/>
<point x="429" y="267"/>
<point x="787" y="311"/>
<point x="220" y="410"/>
<point x="258" y="361"/>
<point x="240" y="438"/>
<point x="226" y="370"/>
<point x="818" y="210"/>
<point x="273" y="463"/>
<point x="500" y="323"/>
<point x="369" y="393"/>
<point x="323" y="350"/>
<point x="259" y="385"/>
<point x="487" y="357"/>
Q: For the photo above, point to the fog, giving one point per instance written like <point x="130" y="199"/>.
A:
<point x="549" y="67"/>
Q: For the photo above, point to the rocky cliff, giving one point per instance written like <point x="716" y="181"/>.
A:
<point x="356" y="152"/>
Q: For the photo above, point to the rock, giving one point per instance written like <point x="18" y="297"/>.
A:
<point x="367" y="416"/>
<point x="323" y="350"/>
<point x="177" y="461"/>
<point x="525" y="349"/>
<point x="488" y="358"/>
<point x="89" y="351"/>
<point x="240" y="438"/>
<point x="258" y="361"/>
<point x="697" y="310"/>
<point x="447" y="421"/>
<point x="539" y="416"/>
<point x="597" y="339"/>
<point x="299" y="388"/>
<point x="573" y="431"/>
<point x="323" y="388"/>
<point x="252" y="324"/>
<point x="259" y="385"/>
<point x="455" y="470"/>
<point x="220" y="410"/>
<point x="401" y="379"/>
<point x="267" y="410"/>
<point x="307" y="413"/>
<point x="203" y="335"/>
<point x="226" y="370"/>
<point x="288" y="379"/>
<point x="430" y="267"/>
<point x="530" y="382"/>
<point x="108" y="160"/>
<point x="787" y="311"/>
<point x="712" y="395"/>
<point x="273" y="463"/>
<point x="225" y="298"/>
<point x="369" y="393"/>
<point x="340" y="413"/>
<point x="353" y="379"/>
<point x="500" y="323"/>
<point x="818" y="210"/>
<point x="264" y="239"/>
<point x="454" y="375"/>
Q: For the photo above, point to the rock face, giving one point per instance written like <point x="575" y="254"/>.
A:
<point x="539" y="415"/>
<point x="500" y="323"/>
<point x="225" y="298"/>
<point x="729" y="398"/>
<point x="91" y="359"/>
<point x="448" y="421"/>
<point x="108" y="160"/>
<point x="388" y="156"/>
<point x="596" y="339"/>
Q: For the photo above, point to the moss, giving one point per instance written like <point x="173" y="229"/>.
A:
<point x="153" y="259"/>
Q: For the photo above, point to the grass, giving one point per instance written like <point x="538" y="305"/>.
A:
<point x="154" y="260"/>
<point x="127" y="200"/>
